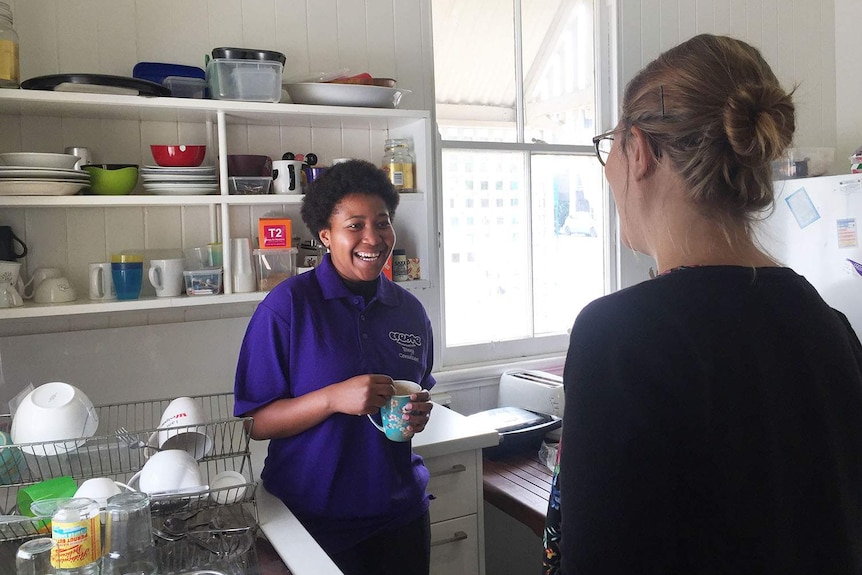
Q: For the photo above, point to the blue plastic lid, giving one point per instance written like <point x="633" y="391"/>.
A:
<point x="158" y="71"/>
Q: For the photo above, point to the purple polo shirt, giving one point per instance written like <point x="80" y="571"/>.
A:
<point x="342" y="478"/>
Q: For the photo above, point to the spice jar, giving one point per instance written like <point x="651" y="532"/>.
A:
<point x="10" y="75"/>
<point x="399" y="265"/>
<point x="398" y="163"/>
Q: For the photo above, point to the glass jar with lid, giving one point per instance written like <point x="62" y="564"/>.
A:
<point x="10" y="75"/>
<point x="398" y="163"/>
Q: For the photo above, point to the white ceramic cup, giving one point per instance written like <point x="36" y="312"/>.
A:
<point x="169" y="471"/>
<point x="38" y="276"/>
<point x="166" y="275"/>
<point x="242" y="270"/>
<point x="287" y="176"/>
<point x="183" y="426"/>
<point x="101" y="282"/>
<point x="100" y="488"/>
<point x="55" y="290"/>
<point x="9" y="296"/>
<point x="10" y="272"/>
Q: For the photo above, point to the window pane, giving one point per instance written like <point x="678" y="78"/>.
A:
<point x="474" y="69"/>
<point x="485" y="247"/>
<point x="559" y="90"/>
<point x="568" y="250"/>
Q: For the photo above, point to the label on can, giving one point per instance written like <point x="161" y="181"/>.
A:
<point x="401" y="175"/>
<point x="78" y="543"/>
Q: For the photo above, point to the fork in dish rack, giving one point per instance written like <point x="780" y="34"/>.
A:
<point x="132" y="441"/>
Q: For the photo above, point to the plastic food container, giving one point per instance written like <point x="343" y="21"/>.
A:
<point x="274" y="266"/>
<point x="247" y="80"/>
<point x="182" y="87"/>
<point x="242" y="185"/>
<point x="205" y="281"/>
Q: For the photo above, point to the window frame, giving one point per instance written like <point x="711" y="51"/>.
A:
<point x="606" y="82"/>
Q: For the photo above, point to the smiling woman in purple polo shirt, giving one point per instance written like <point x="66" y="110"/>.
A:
<point x="319" y="354"/>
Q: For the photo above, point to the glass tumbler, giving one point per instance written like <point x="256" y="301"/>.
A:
<point x="129" y="536"/>
<point x="34" y="557"/>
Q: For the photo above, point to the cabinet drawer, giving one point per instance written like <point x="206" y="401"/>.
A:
<point x="453" y="485"/>
<point x="455" y="546"/>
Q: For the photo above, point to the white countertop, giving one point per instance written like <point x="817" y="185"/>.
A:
<point x="447" y="432"/>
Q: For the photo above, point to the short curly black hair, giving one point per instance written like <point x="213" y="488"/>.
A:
<point x="343" y="179"/>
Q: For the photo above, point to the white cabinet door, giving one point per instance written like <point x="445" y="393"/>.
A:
<point x="455" y="546"/>
<point x="453" y="485"/>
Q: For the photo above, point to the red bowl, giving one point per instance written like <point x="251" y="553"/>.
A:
<point x="178" y="156"/>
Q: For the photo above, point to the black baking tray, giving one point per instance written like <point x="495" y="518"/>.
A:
<point x="519" y="429"/>
<point x="52" y="81"/>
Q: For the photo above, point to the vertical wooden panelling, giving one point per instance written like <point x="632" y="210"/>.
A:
<point x="381" y="32"/>
<point x="669" y="23"/>
<point x="738" y="18"/>
<point x="687" y="20"/>
<point x="352" y="35"/>
<point x="408" y="51"/>
<point x="86" y="236"/>
<point x="258" y="24"/>
<point x="768" y="34"/>
<point x="323" y="41"/>
<point x="116" y="36"/>
<point x="224" y="18"/>
<point x="78" y="36"/>
<point x="36" y="24"/>
<point x="705" y="16"/>
<point x="291" y="37"/>
<point x="721" y="17"/>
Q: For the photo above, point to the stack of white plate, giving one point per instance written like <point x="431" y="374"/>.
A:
<point x="198" y="181"/>
<point x="32" y="181"/>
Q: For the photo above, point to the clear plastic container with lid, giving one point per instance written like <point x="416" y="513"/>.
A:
<point x="10" y="75"/>
<point x="398" y="163"/>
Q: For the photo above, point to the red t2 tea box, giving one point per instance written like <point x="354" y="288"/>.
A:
<point x="273" y="233"/>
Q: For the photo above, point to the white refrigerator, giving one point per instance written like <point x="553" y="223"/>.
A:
<point x="814" y="230"/>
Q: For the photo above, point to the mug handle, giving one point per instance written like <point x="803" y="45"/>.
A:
<point x="156" y="277"/>
<point x="23" y="245"/>
<point x="96" y="282"/>
<point x="124" y="486"/>
<point x="134" y="479"/>
<point x="292" y="186"/>
<point x="24" y="293"/>
<point x="17" y="300"/>
<point x="375" y="424"/>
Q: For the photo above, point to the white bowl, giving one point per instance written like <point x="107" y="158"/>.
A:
<point x="54" y="411"/>
<point x="39" y="160"/>
<point x="233" y="485"/>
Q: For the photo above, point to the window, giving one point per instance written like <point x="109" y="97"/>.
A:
<point x="517" y="106"/>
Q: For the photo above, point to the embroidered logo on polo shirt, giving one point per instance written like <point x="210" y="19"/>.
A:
<point x="407" y="341"/>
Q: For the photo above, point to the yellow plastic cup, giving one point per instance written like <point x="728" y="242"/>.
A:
<point x="126" y="258"/>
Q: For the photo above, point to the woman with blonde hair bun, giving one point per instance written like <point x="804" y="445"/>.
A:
<point x="713" y="419"/>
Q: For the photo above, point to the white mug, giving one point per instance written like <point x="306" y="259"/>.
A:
<point x="84" y="155"/>
<point x="244" y="280"/>
<point x="101" y="282"/>
<point x="38" y="276"/>
<point x="10" y="272"/>
<point x="287" y="176"/>
<point x="169" y="470"/>
<point x="166" y="275"/>
<point x="9" y="296"/>
<point x="183" y="426"/>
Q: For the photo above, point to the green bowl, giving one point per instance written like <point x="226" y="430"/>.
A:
<point x="112" y="179"/>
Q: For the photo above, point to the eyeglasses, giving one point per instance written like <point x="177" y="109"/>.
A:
<point x="604" y="143"/>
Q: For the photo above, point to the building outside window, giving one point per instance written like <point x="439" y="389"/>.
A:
<point x="518" y="100"/>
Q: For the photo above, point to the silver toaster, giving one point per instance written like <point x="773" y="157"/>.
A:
<point x="537" y="391"/>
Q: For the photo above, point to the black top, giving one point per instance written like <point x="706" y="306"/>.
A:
<point x="713" y="424"/>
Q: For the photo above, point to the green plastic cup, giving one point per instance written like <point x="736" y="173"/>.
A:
<point x="57" y="488"/>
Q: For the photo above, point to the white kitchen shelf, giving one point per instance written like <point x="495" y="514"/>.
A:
<point x="145" y="200"/>
<point x="85" y="306"/>
<point x="219" y="116"/>
<point x="146" y="109"/>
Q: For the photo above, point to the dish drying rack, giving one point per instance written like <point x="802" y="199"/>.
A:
<point x="105" y="454"/>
